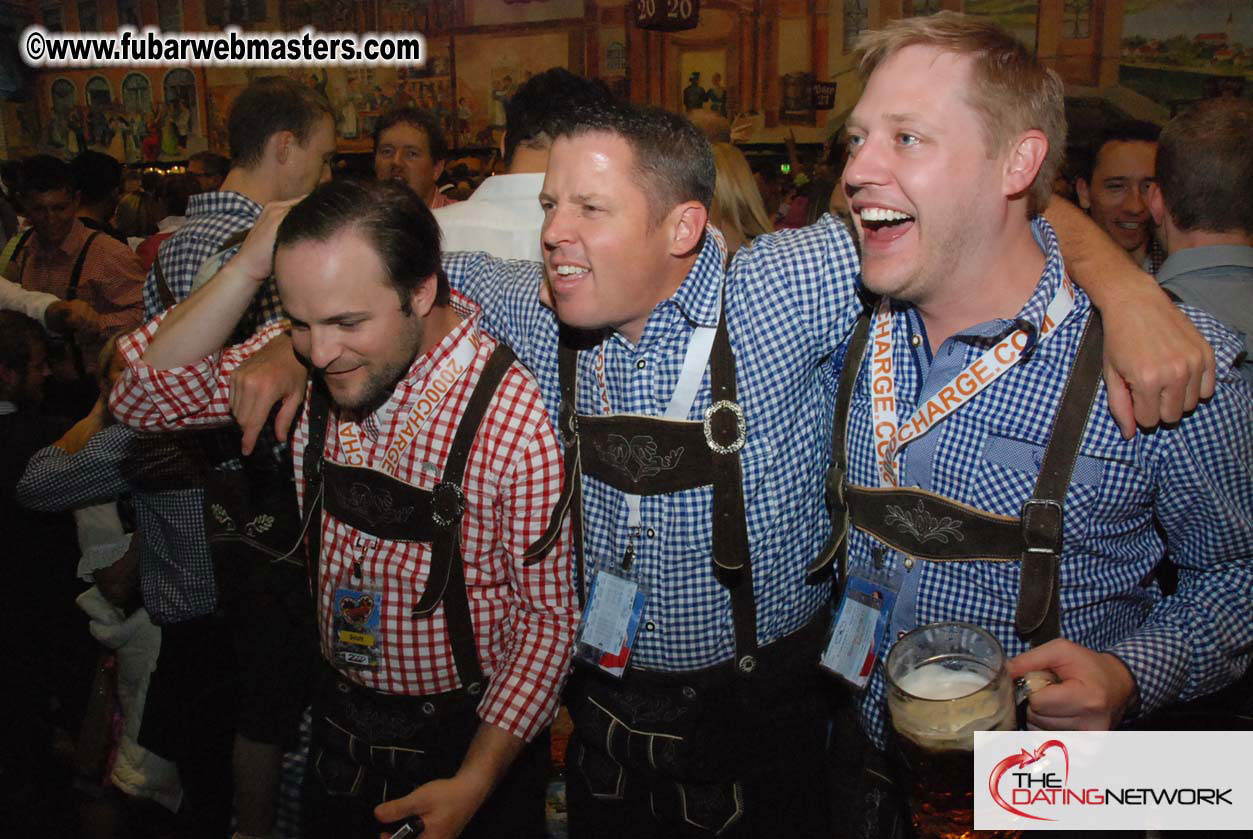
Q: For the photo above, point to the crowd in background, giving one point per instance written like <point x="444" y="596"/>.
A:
<point x="75" y="698"/>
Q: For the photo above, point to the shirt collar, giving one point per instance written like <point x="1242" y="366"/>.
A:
<point x="424" y="364"/>
<point x="510" y="188"/>
<point x="221" y="202"/>
<point x="73" y="241"/>
<point x="1196" y="259"/>
<point x="699" y="297"/>
<point x="1030" y="317"/>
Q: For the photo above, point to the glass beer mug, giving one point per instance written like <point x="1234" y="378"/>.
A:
<point x="946" y="681"/>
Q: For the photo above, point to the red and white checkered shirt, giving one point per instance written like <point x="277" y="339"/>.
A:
<point x="524" y="617"/>
<point x="112" y="281"/>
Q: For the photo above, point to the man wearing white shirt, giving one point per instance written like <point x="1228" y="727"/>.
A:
<point x="49" y="310"/>
<point x="503" y="216"/>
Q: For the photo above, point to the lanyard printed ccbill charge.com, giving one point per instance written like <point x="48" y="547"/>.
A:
<point x="438" y="384"/>
<point x="987" y="368"/>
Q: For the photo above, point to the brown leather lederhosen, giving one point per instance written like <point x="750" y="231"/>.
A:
<point x="412" y="738"/>
<point x="1034" y="537"/>
<point x="890" y="515"/>
<point x="392" y="510"/>
<point x="690" y="742"/>
<point x="685" y="454"/>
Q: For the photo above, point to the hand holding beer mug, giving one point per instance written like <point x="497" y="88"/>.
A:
<point x="946" y="681"/>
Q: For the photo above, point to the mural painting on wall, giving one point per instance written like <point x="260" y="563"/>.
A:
<point x="702" y="74"/>
<point x="1017" y="16"/>
<point x="489" y="70"/>
<point x="358" y="95"/>
<point x="123" y="116"/>
<point x="1175" y="53"/>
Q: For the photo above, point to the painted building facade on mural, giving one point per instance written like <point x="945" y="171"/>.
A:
<point x="764" y="64"/>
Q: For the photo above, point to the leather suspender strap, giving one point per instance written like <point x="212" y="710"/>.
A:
<point x="76" y="273"/>
<point x="1039" y="614"/>
<point x="163" y="288"/>
<point x="76" y="354"/>
<point x="572" y="489"/>
<point x="447" y="579"/>
<point x="836" y="544"/>
<point x="315" y="452"/>
<point x="733" y="565"/>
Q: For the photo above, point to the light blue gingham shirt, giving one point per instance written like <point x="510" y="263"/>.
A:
<point x="791" y="301"/>
<point x="1185" y="490"/>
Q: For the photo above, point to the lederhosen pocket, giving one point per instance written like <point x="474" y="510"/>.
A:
<point x="379" y="746"/>
<point x="694" y="738"/>
<point x="669" y="738"/>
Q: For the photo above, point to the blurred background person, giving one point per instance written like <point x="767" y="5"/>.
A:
<point x="737" y="208"/>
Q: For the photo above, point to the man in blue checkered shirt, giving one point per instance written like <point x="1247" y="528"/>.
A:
<point x="637" y="266"/>
<point x="630" y="259"/>
<point x="953" y="147"/>
<point x="282" y="137"/>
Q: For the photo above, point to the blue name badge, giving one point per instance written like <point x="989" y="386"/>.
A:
<point x="607" y="630"/>
<point x="858" y="634"/>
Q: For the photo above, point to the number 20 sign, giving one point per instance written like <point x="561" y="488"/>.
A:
<point x="667" y="15"/>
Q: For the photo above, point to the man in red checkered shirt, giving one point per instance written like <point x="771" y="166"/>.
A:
<point x="429" y="470"/>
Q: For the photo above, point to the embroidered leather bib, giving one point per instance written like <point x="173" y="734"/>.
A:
<point x="929" y="526"/>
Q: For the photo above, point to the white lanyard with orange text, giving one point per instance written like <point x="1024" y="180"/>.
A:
<point x="437" y="386"/>
<point x="987" y="368"/>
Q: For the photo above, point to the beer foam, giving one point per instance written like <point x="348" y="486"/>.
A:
<point x="935" y="681"/>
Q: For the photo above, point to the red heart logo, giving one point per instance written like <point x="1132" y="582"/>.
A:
<point x="1025" y="758"/>
<point x="356" y="610"/>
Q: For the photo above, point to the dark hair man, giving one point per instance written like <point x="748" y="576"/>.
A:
<point x="503" y="216"/>
<point x="1114" y="188"/>
<point x="282" y="136"/>
<point x="968" y="370"/>
<point x="409" y="147"/>
<point x="98" y="178"/>
<point x="403" y="378"/>
<point x="1202" y="202"/>
<point x="710" y="505"/>
<point x="62" y="257"/>
<point x="699" y="496"/>
<point x="209" y="169"/>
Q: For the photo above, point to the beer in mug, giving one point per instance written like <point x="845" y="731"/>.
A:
<point x="946" y="681"/>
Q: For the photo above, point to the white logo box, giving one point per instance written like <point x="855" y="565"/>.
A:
<point x="1128" y="780"/>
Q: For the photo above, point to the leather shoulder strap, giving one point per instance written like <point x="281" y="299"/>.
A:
<point x="837" y="507"/>
<point x="1038" y="617"/>
<point x="77" y="273"/>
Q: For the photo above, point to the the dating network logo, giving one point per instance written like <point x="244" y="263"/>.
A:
<point x="1027" y="787"/>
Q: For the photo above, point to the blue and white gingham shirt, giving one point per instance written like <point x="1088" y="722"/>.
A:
<point x="174" y="555"/>
<point x="791" y="301"/>
<point x="1194" y="480"/>
<point x="212" y="218"/>
<point x="177" y="574"/>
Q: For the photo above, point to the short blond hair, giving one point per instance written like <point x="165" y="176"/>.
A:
<point x="737" y="201"/>
<point x="1012" y="91"/>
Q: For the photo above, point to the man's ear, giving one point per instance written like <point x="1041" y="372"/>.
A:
<point x="1157" y="203"/>
<point x="686" y="225"/>
<point x="1081" y="192"/>
<point x="422" y="298"/>
<point x="1024" y="161"/>
<point x="280" y="144"/>
<point x="437" y="170"/>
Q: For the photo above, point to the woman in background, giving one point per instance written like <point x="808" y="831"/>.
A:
<point x="737" y="210"/>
